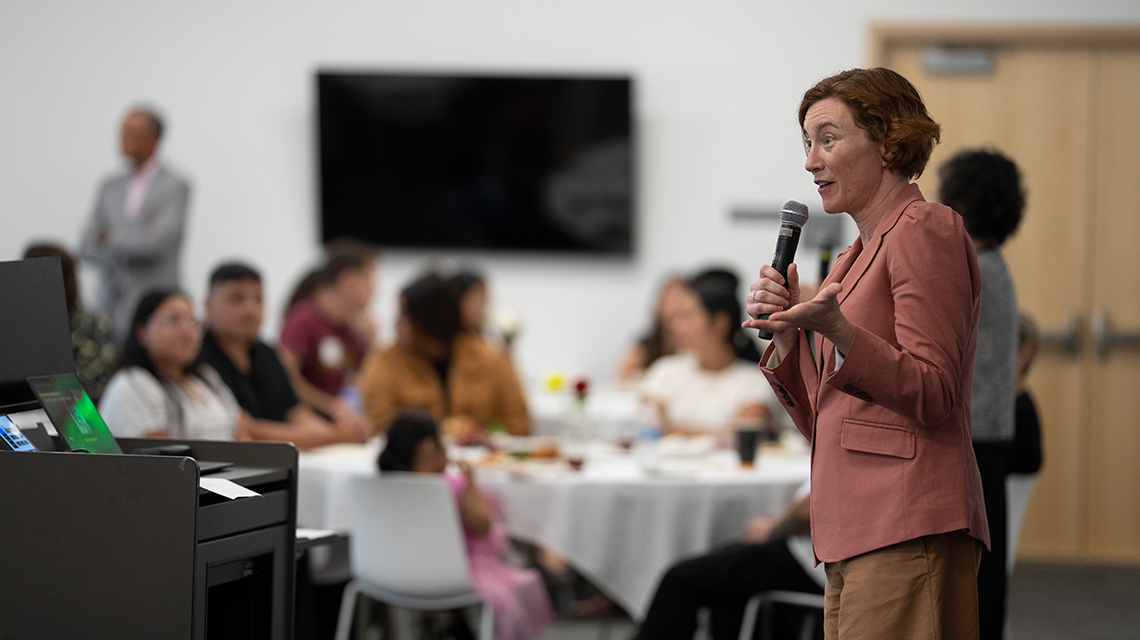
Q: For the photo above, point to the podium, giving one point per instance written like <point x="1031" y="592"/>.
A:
<point x="130" y="546"/>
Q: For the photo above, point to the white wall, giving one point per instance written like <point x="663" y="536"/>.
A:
<point x="718" y="83"/>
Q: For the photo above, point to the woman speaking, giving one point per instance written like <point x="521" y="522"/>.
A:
<point x="876" y="371"/>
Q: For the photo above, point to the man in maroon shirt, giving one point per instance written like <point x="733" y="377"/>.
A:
<point x="326" y="334"/>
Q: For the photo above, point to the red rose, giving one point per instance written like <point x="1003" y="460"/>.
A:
<point x="580" y="388"/>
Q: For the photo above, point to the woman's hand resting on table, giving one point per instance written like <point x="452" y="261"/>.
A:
<point x="788" y="315"/>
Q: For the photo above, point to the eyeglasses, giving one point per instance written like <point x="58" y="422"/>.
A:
<point x="177" y="321"/>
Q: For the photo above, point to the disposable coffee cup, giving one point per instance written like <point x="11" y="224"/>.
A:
<point x="747" y="441"/>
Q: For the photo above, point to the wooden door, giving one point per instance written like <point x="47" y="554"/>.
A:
<point x="1060" y="107"/>
<point x="1114" y="392"/>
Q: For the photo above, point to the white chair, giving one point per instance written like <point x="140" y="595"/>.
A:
<point x="1018" y="489"/>
<point x="407" y="549"/>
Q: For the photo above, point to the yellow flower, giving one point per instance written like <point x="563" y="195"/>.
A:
<point x="554" y="380"/>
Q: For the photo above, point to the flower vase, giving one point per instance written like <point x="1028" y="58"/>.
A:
<point x="575" y="433"/>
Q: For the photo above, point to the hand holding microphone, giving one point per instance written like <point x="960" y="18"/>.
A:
<point x="778" y="286"/>
<point x="772" y="293"/>
<point x="792" y="219"/>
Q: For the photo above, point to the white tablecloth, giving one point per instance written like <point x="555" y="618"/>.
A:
<point x="609" y="411"/>
<point x="619" y="526"/>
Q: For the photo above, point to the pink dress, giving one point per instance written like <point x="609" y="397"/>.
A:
<point x="517" y="596"/>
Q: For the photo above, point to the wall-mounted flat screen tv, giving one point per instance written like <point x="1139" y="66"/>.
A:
<point x="502" y="163"/>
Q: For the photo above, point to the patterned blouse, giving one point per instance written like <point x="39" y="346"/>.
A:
<point x="95" y="351"/>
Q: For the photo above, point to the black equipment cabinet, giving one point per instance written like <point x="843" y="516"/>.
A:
<point x="127" y="546"/>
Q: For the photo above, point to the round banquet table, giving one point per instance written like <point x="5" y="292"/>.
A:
<point x="613" y="521"/>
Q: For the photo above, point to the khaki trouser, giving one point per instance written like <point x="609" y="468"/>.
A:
<point x="923" y="589"/>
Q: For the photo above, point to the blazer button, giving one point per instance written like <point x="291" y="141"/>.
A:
<point x="784" y="394"/>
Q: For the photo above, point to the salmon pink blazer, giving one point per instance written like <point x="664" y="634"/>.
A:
<point x="891" y="457"/>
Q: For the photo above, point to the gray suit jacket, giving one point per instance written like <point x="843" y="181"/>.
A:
<point x="140" y="254"/>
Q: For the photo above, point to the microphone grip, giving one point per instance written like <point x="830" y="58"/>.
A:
<point x="785" y="254"/>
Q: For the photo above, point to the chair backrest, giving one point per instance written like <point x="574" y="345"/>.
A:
<point x="1018" y="489"/>
<point x="406" y="536"/>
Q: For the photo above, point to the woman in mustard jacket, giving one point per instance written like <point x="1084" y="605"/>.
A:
<point x="434" y="366"/>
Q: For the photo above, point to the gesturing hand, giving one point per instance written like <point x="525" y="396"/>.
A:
<point x="820" y="314"/>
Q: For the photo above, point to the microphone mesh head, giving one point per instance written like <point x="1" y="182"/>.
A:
<point x="794" y="214"/>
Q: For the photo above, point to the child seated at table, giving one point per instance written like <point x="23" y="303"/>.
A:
<point x="516" y="596"/>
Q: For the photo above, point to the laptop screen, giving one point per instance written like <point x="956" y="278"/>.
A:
<point x="73" y="413"/>
<point x="13" y="437"/>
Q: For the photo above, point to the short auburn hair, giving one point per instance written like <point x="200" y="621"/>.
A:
<point x="889" y="108"/>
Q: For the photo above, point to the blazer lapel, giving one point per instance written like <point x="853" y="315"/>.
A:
<point x="146" y="207"/>
<point x="867" y="255"/>
<point x="853" y="263"/>
<point x="115" y="199"/>
<point x="838" y="271"/>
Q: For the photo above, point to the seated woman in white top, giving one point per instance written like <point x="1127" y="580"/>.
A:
<point x="713" y="382"/>
<point x="160" y="388"/>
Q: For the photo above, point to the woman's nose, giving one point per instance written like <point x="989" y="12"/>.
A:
<point x="812" y="162"/>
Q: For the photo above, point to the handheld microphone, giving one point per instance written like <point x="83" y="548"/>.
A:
<point x="792" y="219"/>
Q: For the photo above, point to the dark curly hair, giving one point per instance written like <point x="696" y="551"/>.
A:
<point x="985" y="188"/>
<point x="889" y="108"/>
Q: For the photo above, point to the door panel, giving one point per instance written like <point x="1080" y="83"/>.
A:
<point x="1114" y="467"/>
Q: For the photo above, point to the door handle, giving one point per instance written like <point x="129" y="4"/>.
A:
<point x="1067" y="339"/>
<point x="1105" y="337"/>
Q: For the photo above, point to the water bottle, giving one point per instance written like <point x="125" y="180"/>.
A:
<point x="649" y="438"/>
<point x="575" y="433"/>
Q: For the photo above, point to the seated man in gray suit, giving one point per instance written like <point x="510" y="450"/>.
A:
<point x="135" y="233"/>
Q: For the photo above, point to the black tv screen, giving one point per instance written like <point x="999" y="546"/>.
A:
<point x="477" y="162"/>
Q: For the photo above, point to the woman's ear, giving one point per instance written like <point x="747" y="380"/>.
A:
<point x="887" y="152"/>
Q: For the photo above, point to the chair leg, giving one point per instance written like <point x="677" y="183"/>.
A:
<point x="704" y="620"/>
<point x="748" y="624"/>
<point x="347" y="607"/>
<point x="768" y="620"/>
<point x="403" y="622"/>
<point x="807" y="627"/>
<point x="486" y="623"/>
